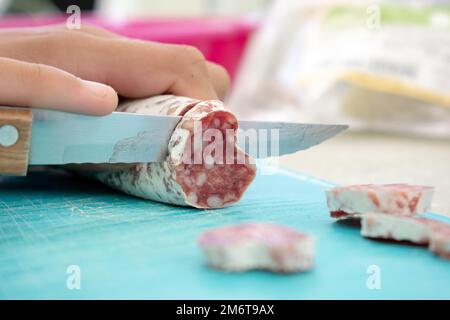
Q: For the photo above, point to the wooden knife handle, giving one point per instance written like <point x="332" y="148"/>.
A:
<point x="15" y="136"/>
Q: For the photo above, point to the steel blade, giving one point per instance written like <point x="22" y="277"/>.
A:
<point x="280" y="138"/>
<point x="62" y="138"/>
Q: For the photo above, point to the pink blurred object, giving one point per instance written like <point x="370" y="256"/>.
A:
<point x="222" y="40"/>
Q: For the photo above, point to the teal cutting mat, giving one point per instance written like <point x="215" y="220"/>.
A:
<point x="130" y="248"/>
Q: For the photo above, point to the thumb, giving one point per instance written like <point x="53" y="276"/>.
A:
<point x="33" y="85"/>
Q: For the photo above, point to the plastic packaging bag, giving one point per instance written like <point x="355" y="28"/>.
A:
<point x="382" y="65"/>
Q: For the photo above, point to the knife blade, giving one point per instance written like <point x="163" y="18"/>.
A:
<point x="63" y="138"/>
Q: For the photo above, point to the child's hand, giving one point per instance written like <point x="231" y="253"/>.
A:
<point x="81" y="70"/>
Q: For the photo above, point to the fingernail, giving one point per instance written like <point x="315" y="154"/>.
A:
<point x="98" y="89"/>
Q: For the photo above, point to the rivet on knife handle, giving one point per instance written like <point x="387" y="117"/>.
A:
<point x="15" y="135"/>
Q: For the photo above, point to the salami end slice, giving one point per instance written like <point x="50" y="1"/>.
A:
<point x="432" y="233"/>
<point x="401" y="199"/>
<point x="395" y="227"/>
<point x="440" y="240"/>
<point x="261" y="246"/>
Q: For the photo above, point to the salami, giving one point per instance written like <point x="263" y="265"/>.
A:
<point x="396" y="227"/>
<point x="440" y="240"/>
<point x="432" y="233"/>
<point x="261" y="246"/>
<point x="401" y="199"/>
<point x="207" y="181"/>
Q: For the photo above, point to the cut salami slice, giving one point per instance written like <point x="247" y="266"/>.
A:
<point x="396" y="227"/>
<point x="261" y="246"/>
<point x="207" y="181"/>
<point x="432" y="233"/>
<point x="401" y="199"/>
<point x="440" y="240"/>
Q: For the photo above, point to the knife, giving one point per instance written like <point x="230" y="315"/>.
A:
<point x="48" y="137"/>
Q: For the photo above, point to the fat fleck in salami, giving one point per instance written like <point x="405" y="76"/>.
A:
<point x="401" y="199"/>
<point x="260" y="246"/>
<point x="432" y="233"/>
<point x="208" y="184"/>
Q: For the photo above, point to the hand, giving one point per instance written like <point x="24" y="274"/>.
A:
<point x="83" y="70"/>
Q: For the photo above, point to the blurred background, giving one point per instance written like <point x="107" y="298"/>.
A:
<point x="138" y="8"/>
<point x="381" y="66"/>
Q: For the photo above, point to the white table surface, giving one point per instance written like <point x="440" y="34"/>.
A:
<point x="356" y="158"/>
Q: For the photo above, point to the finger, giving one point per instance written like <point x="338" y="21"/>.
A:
<point x="134" y="68"/>
<point x="27" y="84"/>
<point x="56" y="28"/>
<point x="218" y="75"/>
<point x="190" y="76"/>
<point x="154" y="68"/>
<point x="91" y="30"/>
<point x="220" y="79"/>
